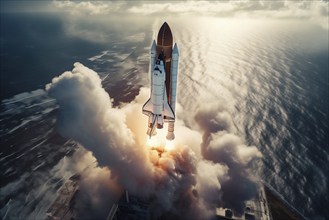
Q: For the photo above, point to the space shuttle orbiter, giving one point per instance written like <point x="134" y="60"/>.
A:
<point x="164" y="69"/>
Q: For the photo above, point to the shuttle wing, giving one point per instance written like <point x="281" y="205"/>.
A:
<point x="168" y="113"/>
<point x="147" y="107"/>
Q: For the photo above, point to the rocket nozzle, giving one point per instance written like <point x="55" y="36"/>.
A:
<point x="170" y="136"/>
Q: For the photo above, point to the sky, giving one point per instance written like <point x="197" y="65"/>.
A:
<point x="316" y="11"/>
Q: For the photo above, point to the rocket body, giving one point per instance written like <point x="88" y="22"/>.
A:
<point x="160" y="107"/>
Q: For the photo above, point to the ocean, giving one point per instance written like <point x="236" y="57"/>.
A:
<point x="272" y="76"/>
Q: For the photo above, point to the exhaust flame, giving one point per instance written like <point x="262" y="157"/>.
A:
<point x="170" y="145"/>
<point x="159" y="142"/>
<point x="152" y="142"/>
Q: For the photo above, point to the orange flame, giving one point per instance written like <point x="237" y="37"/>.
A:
<point x="160" y="143"/>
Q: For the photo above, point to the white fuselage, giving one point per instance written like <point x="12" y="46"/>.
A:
<point x="158" y="107"/>
<point x="158" y="87"/>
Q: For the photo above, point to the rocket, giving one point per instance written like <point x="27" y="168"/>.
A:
<point x="160" y="107"/>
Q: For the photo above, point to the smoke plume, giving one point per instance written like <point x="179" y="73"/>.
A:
<point x="223" y="147"/>
<point x="206" y="169"/>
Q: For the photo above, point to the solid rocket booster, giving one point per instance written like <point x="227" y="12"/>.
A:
<point x="164" y="70"/>
<point x="173" y="89"/>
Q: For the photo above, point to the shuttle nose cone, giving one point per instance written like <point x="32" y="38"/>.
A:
<point x="164" y="36"/>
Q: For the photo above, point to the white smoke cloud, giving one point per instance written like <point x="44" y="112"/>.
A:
<point x="206" y="168"/>
<point x="97" y="189"/>
<point x="86" y="115"/>
<point x="223" y="147"/>
<point x="209" y="178"/>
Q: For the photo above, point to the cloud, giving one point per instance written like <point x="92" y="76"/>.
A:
<point x="88" y="7"/>
<point x="97" y="190"/>
<point x="86" y="115"/>
<point x="223" y="8"/>
<point x="187" y="7"/>
<point x="188" y="181"/>
<point x="221" y="146"/>
<point x="228" y="149"/>
<point x="209" y="178"/>
<point x="316" y="11"/>
<point x="281" y="9"/>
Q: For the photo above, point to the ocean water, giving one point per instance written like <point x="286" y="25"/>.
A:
<point x="271" y="75"/>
